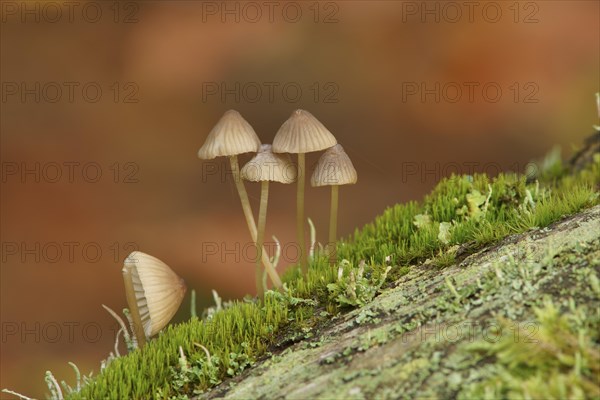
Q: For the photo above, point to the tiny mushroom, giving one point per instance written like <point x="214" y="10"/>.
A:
<point x="302" y="133"/>
<point x="333" y="169"/>
<point x="231" y="136"/>
<point x="154" y="293"/>
<point x="264" y="167"/>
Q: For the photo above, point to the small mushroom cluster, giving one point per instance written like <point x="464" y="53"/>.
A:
<point x="154" y="292"/>
<point x="301" y="133"/>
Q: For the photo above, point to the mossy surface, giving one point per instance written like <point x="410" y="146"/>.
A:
<point x="499" y="324"/>
<point x="427" y="262"/>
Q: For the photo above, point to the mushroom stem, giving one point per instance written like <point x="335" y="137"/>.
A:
<point x="300" y="213"/>
<point x="235" y="168"/>
<point x="333" y="225"/>
<point x="260" y="238"/>
<point x="133" y="309"/>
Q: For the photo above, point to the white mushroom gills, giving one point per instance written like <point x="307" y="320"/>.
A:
<point x="154" y="292"/>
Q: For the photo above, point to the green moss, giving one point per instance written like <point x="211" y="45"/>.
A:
<point x="479" y="210"/>
<point x="244" y="328"/>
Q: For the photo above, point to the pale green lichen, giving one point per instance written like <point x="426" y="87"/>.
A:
<point x="413" y="330"/>
<point x="556" y="356"/>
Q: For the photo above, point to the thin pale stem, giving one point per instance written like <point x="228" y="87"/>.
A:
<point x="133" y="308"/>
<point x="333" y="225"/>
<point x="260" y="238"/>
<point x="300" y="214"/>
<point x="235" y="169"/>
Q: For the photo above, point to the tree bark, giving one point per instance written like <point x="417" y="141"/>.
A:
<point x="412" y="340"/>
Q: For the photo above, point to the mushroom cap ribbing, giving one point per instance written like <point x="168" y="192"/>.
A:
<point x="302" y="133"/>
<point x="268" y="166"/>
<point x="158" y="290"/>
<point x="334" y="168"/>
<point x="232" y="135"/>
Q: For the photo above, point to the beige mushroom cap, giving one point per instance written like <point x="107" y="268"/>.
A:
<point x="268" y="166"/>
<point x="232" y="135"/>
<point x="334" y="168"/>
<point x="302" y="133"/>
<point x="158" y="290"/>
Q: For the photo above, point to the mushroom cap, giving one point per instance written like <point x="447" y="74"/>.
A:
<point x="334" y="168"/>
<point x="232" y="135"/>
<point x="302" y="133"/>
<point x="268" y="166"/>
<point x="158" y="290"/>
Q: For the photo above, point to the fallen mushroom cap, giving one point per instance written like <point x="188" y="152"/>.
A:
<point x="334" y="168"/>
<point x="302" y="133"/>
<point x="158" y="290"/>
<point x="268" y="166"/>
<point x="232" y="135"/>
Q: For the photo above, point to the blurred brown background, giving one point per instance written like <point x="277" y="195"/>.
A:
<point x="130" y="91"/>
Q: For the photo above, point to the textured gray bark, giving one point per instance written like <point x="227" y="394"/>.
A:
<point x="412" y="340"/>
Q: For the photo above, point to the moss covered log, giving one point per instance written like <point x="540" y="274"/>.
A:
<point x="486" y="288"/>
<point x="519" y="319"/>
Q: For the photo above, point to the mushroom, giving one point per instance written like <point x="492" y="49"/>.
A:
<point x="333" y="169"/>
<point x="231" y="136"/>
<point x="264" y="167"/>
<point x="302" y="133"/>
<point x="154" y="293"/>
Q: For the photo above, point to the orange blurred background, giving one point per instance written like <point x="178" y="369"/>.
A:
<point x="104" y="106"/>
